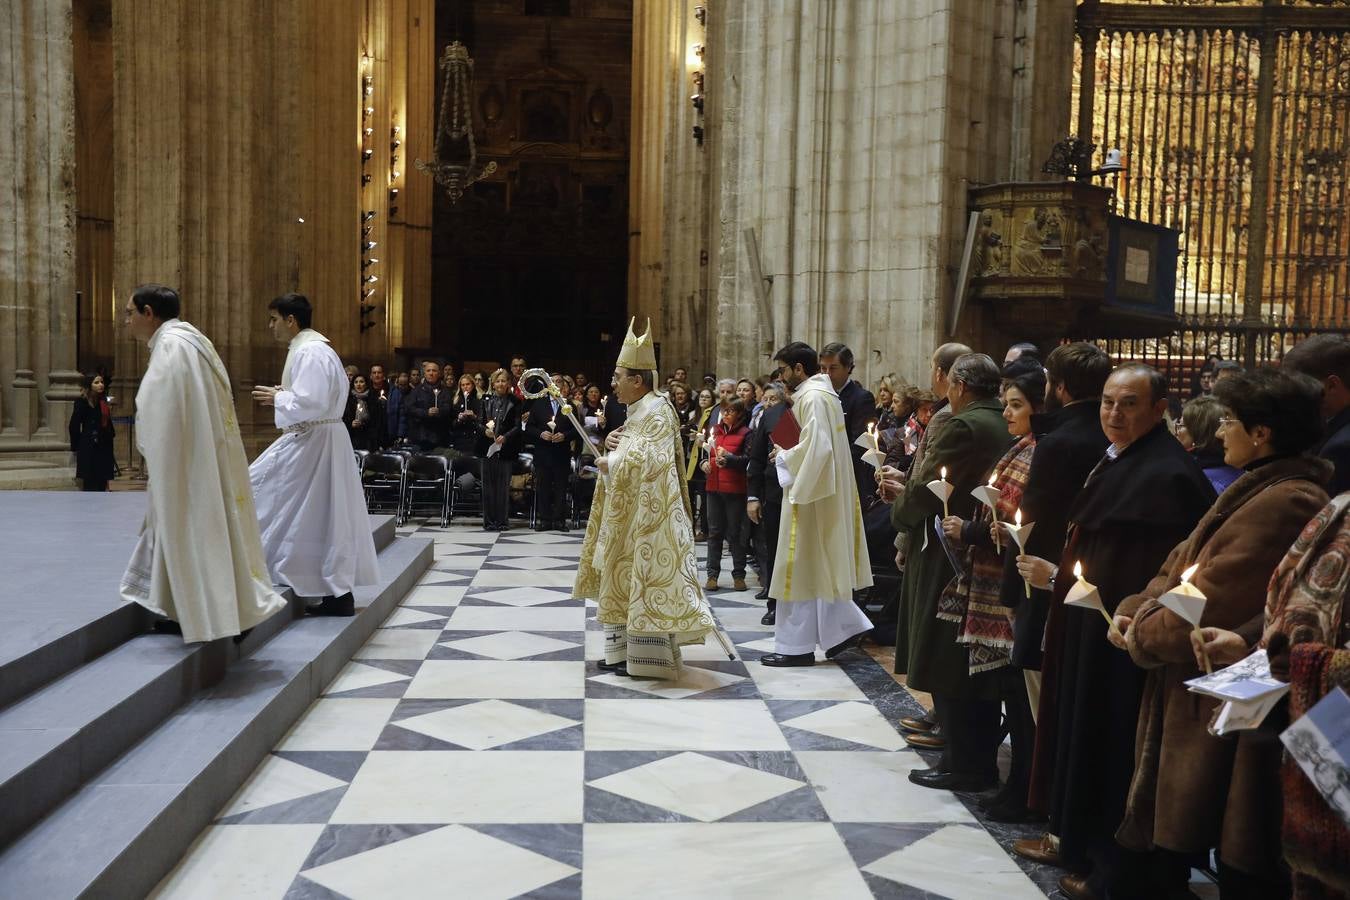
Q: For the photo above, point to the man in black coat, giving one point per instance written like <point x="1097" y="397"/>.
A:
<point x="428" y="407"/>
<point x="552" y="435"/>
<point x="1140" y="500"/>
<point x="764" y="499"/>
<point x="1326" y="357"/>
<point x="860" y="409"/>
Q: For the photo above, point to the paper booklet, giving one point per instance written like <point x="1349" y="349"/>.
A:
<point x="1320" y="743"/>
<point x="493" y="449"/>
<point x="1248" y="690"/>
<point x="954" y="554"/>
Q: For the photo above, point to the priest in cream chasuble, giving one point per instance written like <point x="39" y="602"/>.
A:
<point x="822" y="552"/>
<point x="637" y="560"/>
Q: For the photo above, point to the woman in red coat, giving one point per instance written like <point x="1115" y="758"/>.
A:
<point x="725" y="471"/>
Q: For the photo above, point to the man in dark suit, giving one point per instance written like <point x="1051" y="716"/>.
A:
<point x="428" y="408"/>
<point x="860" y="408"/>
<point x="764" y="499"/>
<point x="1326" y="357"/>
<point x="552" y="434"/>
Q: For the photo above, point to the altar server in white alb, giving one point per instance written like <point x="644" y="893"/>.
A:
<point x="822" y="555"/>
<point x="315" y="529"/>
<point x="199" y="562"/>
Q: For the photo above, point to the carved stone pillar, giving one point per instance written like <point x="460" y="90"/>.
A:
<point x="38" y="380"/>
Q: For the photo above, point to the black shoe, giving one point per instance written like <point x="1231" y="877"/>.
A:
<point x="166" y="626"/>
<point x="787" y="660"/>
<point x="1012" y="813"/>
<point x="762" y="593"/>
<point x="334" y="606"/>
<point x="849" y="644"/>
<point x="620" y="669"/>
<point x="609" y="667"/>
<point x="952" y="781"/>
<point x="242" y="636"/>
<point x="768" y="618"/>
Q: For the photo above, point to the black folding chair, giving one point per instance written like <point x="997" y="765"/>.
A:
<point x="428" y="486"/>
<point x="383" y="475"/>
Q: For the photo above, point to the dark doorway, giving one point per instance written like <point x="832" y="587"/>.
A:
<point x="534" y="259"/>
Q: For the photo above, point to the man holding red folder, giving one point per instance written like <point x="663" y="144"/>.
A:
<point x="822" y="555"/>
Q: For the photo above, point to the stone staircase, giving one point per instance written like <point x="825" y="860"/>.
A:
<point x="118" y="747"/>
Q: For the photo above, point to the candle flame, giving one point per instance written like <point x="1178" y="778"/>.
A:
<point x="1186" y="576"/>
<point x="1078" y="569"/>
<point x="1017" y="518"/>
<point x="944" y="473"/>
<point x="992" y="476"/>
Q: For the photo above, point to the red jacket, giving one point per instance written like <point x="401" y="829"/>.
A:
<point x="730" y="478"/>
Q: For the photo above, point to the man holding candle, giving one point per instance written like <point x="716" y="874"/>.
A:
<point x="967" y="708"/>
<point x="860" y="408"/>
<point x="1139" y="501"/>
<point x="824" y="557"/>
<point x="1191" y="791"/>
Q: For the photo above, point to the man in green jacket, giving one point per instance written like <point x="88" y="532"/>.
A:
<point x="968" y="446"/>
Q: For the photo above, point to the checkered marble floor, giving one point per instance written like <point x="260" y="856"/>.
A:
<point x="472" y="749"/>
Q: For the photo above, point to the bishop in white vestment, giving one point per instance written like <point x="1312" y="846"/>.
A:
<point x="822" y="551"/>
<point x="315" y="529"/>
<point x="199" y="561"/>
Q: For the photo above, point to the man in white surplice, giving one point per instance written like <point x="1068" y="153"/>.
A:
<point x="315" y="529"/>
<point x="199" y="561"/>
<point x="822" y="555"/>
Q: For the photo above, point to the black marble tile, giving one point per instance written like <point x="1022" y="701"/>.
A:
<point x="800" y="805"/>
<point x="566" y="889"/>
<point x="316" y="809"/>
<point x="801" y="739"/>
<point x="304" y="889"/>
<point x="380" y="691"/>
<point x="602" y="806"/>
<point x="558" y="842"/>
<point x="563" y="601"/>
<point x="571" y="738"/>
<point x="396" y="738"/>
<point x="868" y="842"/>
<point x="885" y="889"/>
<point x="337" y="763"/>
<point x="340" y="841"/>
<point x="567" y="654"/>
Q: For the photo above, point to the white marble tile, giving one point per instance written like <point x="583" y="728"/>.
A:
<point x="595" y="645"/>
<point x="398" y="643"/>
<point x="433" y="786"/>
<point x="540" y="537"/>
<point x="278" y="780"/>
<point x="355" y="676"/>
<point x="819" y="682"/>
<point x="535" y="562"/>
<point x="521" y="596"/>
<point x="710" y="649"/>
<point x="562" y="552"/>
<point x="509" y="644"/>
<point x="697" y="786"/>
<point x="744" y="860"/>
<point x="505" y="618"/>
<point x="448" y="862"/>
<point x="446" y="561"/>
<point x="852" y="721"/>
<point x="861" y="786"/>
<point x="505" y="578"/>
<point x="405" y="616"/>
<point x="455" y="679"/>
<point x="490" y="723"/>
<point x="437" y="578"/>
<point x="958" y="861"/>
<point x="340" y="723"/>
<point x="434" y="596"/>
<point x="692" y="681"/>
<point x="240" y="862"/>
<point x="681" y="725"/>
<point x="467" y="537"/>
<point x="745" y="619"/>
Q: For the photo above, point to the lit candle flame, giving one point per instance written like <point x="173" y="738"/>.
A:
<point x="1078" y="569"/>
<point x="1186" y="576"/>
<point x="1017" y="518"/>
<point x="944" y="473"/>
<point x="992" y="476"/>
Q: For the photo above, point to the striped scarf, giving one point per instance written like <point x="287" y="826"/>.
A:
<point x="972" y="598"/>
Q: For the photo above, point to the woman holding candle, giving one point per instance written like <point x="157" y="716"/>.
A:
<point x="725" y="473"/>
<point x="698" y="495"/>
<point x="501" y="415"/>
<point x="979" y="601"/>
<point x="1191" y="791"/>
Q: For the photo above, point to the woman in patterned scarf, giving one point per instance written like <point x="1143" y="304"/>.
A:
<point x="1307" y="634"/>
<point x="974" y="599"/>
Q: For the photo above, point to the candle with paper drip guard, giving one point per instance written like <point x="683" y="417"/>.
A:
<point x="1084" y="594"/>
<point x="872" y="454"/>
<point x="988" y="495"/>
<point x="1019" y="534"/>
<point x="942" y="488"/>
<point x="1188" y="601"/>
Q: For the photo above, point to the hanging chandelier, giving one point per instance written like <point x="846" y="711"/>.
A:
<point x="455" y="166"/>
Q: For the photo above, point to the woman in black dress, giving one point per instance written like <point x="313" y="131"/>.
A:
<point x="91" y="436"/>
<point x="364" y="422"/>
<point x="500" y="424"/>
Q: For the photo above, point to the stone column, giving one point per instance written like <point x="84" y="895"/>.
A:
<point x="38" y="380"/>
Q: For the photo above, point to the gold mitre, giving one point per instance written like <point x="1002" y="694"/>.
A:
<point x="638" y="352"/>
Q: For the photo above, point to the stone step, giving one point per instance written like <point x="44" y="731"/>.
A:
<point x="126" y="826"/>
